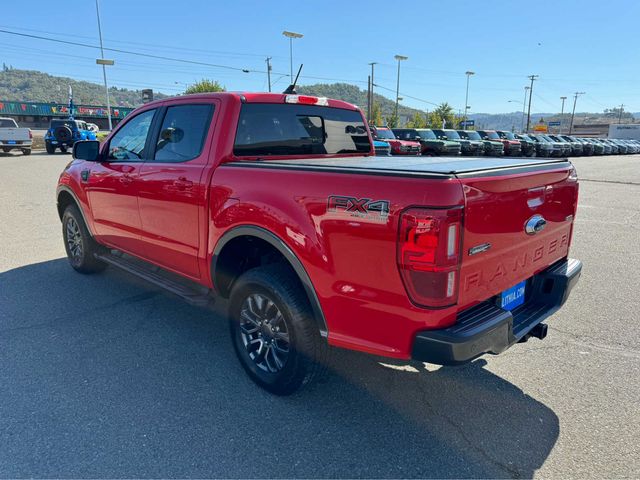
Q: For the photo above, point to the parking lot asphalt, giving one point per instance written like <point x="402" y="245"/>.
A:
<point x="107" y="376"/>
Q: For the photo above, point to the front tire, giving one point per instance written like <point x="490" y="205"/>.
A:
<point x="80" y="246"/>
<point x="273" y="330"/>
<point x="26" y="151"/>
<point x="63" y="149"/>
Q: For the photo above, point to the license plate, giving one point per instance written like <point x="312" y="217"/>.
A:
<point x="513" y="297"/>
<point x="53" y="142"/>
<point x="11" y="142"/>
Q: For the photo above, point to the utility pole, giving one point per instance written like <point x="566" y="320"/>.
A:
<point x="104" y="68"/>
<point x="371" y="91"/>
<point x="524" y="104"/>
<point x="399" y="58"/>
<point x="269" y="72"/>
<point x="562" y="113"/>
<point x="468" y="73"/>
<point x="573" y="113"/>
<point x="620" y="116"/>
<point x="532" y="78"/>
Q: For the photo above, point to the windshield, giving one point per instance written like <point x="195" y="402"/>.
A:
<point x="490" y="135"/>
<point x="426" y="134"/>
<point x="7" y="123"/>
<point x="62" y="123"/>
<point x="507" y="135"/>
<point x="526" y="137"/>
<point x="447" y="134"/>
<point x="470" y="134"/>
<point x="285" y="129"/>
<point x="385" y="134"/>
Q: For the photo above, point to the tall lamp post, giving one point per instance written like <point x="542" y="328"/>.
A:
<point x="468" y="73"/>
<point x="104" y="62"/>
<point x="533" y="79"/>
<point x="291" y="36"/>
<point x="399" y="58"/>
<point x="573" y="113"/>
<point x="562" y="113"/>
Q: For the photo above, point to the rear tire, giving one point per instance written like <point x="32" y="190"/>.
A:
<point x="6" y="149"/>
<point x="80" y="246"/>
<point x="50" y="149"/>
<point x="273" y="330"/>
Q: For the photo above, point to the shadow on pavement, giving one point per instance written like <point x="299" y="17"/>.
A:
<point x="104" y="376"/>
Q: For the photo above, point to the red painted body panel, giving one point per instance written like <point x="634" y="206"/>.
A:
<point x="183" y="209"/>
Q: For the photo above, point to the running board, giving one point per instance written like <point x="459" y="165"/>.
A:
<point x="190" y="291"/>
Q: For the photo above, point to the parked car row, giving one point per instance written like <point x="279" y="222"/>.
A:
<point x="443" y="142"/>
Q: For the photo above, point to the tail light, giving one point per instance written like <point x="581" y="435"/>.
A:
<point x="30" y="134"/>
<point x="429" y="255"/>
<point x="307" y="100"/>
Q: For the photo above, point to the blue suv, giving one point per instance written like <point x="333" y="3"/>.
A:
<point x="63" y="134"/>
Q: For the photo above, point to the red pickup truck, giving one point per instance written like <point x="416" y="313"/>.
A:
<point x="277" y="203"/>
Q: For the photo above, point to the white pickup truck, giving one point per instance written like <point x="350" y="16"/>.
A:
<point x="14" y="138"/>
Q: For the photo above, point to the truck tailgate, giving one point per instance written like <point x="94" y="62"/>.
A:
<point x="14" y="134"/>
<point x="498" y="252"/>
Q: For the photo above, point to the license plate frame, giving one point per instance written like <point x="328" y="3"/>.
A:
<point x="513" y="297"/>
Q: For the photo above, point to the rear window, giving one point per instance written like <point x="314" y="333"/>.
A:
<point x="285" y="129"/>
<point x="385" y="134"/>
<point x="7" y="123"/>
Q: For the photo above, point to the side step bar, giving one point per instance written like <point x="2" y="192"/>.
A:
<point x="190" y="291"/>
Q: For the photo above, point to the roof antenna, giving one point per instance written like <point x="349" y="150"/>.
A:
<point x="291" y="89"/>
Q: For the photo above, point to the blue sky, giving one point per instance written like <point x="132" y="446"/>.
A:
<point x="588" y="45"/>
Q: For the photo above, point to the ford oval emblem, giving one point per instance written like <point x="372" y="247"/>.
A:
<point x="535" y="224"/>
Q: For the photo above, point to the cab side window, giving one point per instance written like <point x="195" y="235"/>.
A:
<point x="128" y="143"/>
<point x="183" y="132"/>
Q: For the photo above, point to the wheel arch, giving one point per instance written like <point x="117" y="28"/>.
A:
<point x="247" y="232"/>
<point x="65" y="196"/>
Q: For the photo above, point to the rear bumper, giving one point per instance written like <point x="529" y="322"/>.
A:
<point x="486" y="328"/>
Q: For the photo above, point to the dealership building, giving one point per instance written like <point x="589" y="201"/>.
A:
<point x="38" y="115"/>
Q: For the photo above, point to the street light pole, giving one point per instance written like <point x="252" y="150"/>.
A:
<point x="573" y="113"/>
<point x="399" y="58"/>
<point x="620" y="116"/>
<point x="532" y="78"/>
<point x="291" y="36"/>
<point x="524" y="104"/>
<point x="104" y="68"/>
<point x="468" y="73"/>
<point x="562" y="113"/>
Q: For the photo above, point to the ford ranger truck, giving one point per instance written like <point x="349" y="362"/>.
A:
<point x="14" y="138"/>
<point x="398" y="147"/>
<point x="277" y="203"/>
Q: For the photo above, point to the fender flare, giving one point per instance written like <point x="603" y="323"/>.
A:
<point x="66" y="189"/>
<point x="287" y="253"/>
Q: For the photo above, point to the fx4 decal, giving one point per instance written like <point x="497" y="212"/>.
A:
<point x="359" y="207"/>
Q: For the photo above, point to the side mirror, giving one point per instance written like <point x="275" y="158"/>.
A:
<point x="88" y="150"/>
<point x="417" y="138"/>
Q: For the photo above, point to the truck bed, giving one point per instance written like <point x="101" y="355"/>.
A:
<point x="413" y="166"/>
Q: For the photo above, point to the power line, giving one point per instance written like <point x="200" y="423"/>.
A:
<point x="128" y="52"/>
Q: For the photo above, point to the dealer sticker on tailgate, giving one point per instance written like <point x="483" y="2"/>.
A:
<point x="513" y="297"/>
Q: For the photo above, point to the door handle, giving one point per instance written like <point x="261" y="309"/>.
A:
<point x="126" y="179"/>
<point x="183" y="184"/>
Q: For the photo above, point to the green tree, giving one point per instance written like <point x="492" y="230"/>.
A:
<point x="205" y="86"/>
<point x="392" y="121"/>
<point x="376" y="115"/>
<point x="417" y="121"/>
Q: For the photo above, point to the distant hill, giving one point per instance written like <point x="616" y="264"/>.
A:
<point x="34" y="86"/>
<point x="352" y="94"/>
